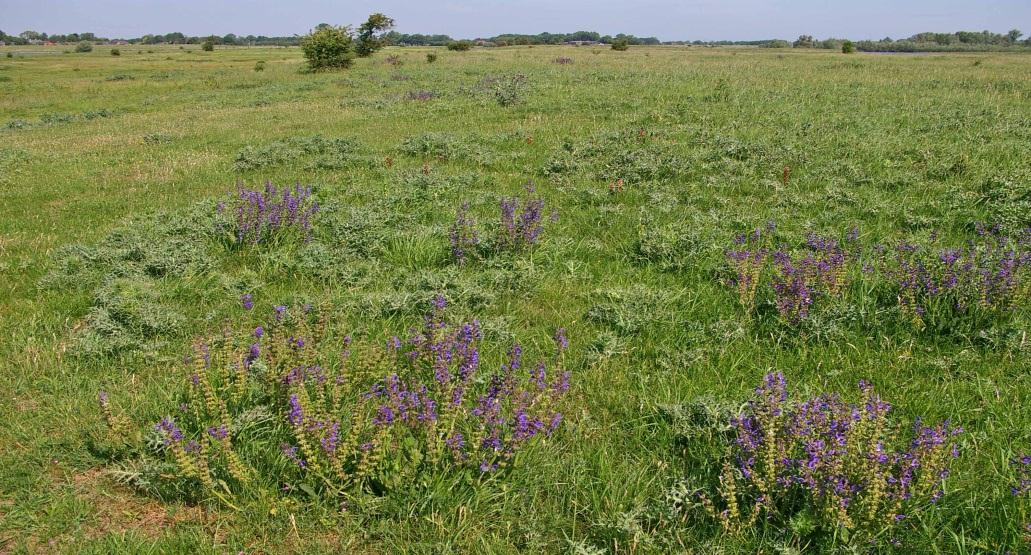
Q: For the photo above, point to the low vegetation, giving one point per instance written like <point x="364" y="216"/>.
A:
<point x="548" y="300"/>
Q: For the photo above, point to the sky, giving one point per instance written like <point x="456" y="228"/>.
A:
<point x="666" y="19"/>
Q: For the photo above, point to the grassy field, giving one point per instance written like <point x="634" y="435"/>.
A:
<point x="652" y="160"/>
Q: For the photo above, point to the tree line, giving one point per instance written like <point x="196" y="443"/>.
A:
<point x="920" y="42"/>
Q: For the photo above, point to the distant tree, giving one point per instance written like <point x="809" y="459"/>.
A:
<point x="32" y="35"/>
<point x="229" y="39"/>
<point x="370" y="34"/>
<point x="1014" y="35"/>
<point x="621" y="44"/>
<point x="328" y="48"/>
<point x="847" y="47"/>
<point x="804" y="41"/>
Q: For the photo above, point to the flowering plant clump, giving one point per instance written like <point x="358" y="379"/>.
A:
<point x="463" y="235"/>
<point x="988" y="276"/>
<point x="939" y="288"/>
<point x="521" y="223"/>
<point x="796" y="281"/>
<point x="283" y="403"/>
<point x="261" y="214"/>
<point x="846" y="466"/>
<point x="747" y="260"/>
<point x="1021" y="490"/>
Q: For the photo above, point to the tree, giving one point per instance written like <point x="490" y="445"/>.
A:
<point x="328" y="47"/>
<point x="208" y="45"/>
<point x="620" y="44"/>
<point x="370" y="37"/>
<point x="804" y="41"/>
<point x="1014" y="35"/>
<point x="848" y="47"/>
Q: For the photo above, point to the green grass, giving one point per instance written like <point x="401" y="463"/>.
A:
<point x="898" y="145"/>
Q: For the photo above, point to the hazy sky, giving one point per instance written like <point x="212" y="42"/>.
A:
<point x="666" y="19"/>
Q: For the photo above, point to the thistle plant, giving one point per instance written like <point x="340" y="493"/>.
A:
<point x="261" y="214"/>
<point x="847" y="466"/>
<point x="521" y="223"/>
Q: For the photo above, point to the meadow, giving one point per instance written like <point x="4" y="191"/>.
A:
<point x="689" y="233"/>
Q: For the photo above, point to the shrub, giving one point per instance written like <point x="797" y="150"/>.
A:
<point x="328" y="48"/>
<point x="259" y="65"/>
<point x="394" y="61"/>
<point x="847" y="470"/>
<point x="279" y="404"/>
<point x="460" y="45"/>
<point x="431" y="57"/>
<point x="848" y="47"/>
<point x="208" y="46"/>
<point x="116" y="52"/>
<point x="563" y="61"/>
<point x="10" y="54"/>
<point x="620" y="45"/>
<point x="505" y="89"/>
<point x="84" y="46"/>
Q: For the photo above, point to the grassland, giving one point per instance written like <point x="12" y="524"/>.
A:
<point x="900" y="146"/>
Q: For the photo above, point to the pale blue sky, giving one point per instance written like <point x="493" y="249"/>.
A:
<point x="666" y="19"/>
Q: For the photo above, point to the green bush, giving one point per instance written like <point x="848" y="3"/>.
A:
<point x="115" y="52"/>
<point x="259" y="65"/>
<point x="460" y="45"/>
<point x="208" y="46"/>
<point x="848" y="47"/>
<point x="84" y="46"/>
<point x="328" y="48"/>
<point x="431" y="57"/>
<point x="620" y="45"/>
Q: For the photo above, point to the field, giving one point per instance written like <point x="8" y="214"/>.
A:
<point x="649" y="162"/>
